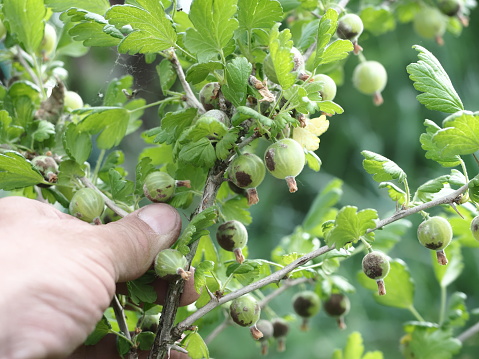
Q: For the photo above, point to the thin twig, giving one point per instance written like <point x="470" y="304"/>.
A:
<point x="191" y="99"/>
<point x="450" y="198"/>
<point x="109" y="203"/>
<point x="273" y="278"/>
<point x="468" y="333"/>
<point x="121" y="319"/>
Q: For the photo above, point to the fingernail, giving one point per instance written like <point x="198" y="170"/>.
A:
<point x="161" y="218"/>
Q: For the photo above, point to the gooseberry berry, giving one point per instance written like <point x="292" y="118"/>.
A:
<point x="72" y="100"/>
<point x="233" y="236"/>
<point x="306" y="304"/>
<point x="280" y="331"/>
<point x="47" y="166"/>
<point x="328" y="93"/>
<point x="170" y="263"/>
<point x="376" y="266"/>
<point x="245" y="311"/>
<point x="285" y="160"/>
<point x="435" y="233"/>
<point x="265" y="327"/>
<point x="430" y="23"/>
<point x="247" y="171"/>
<point x="350" y="27"/>
<point x="370" y="78"/>
<point x="49" y="41"/>
<point x="209" y="95"/>
<point x="87" y="204"/>
<point x="160" y="186"/>
<point x="338" y="306"/>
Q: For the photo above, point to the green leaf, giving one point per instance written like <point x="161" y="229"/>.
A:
<point x="201" y="270"/>
<point x="143" y="168"/>
<point x="457" y="314"/>
<point x="206" y="252"/>
<point x="227" y="142"/>
<point x="110" y="122"/>
<point x="115" y="93"/>
<point x="377" y="20"/>
<point x="237" y="75"/>
<point x="246" y="272"/>
<point x="8" y="131"/>
<point x="327" y="28"/>
<point x="141" y="289"/>
<point x="197" y="348"/>
<point x="152" y="29"/>
<point x="43" y="131"/>
<point x="77" y="144"/>
<point x="244" y="113"/>
<point x="399" y="286"/>
<point x="17" y="172"/>
<point x="205" y="127"/>
<point x="313" y="161"/>
<point x="350" y="225"/>
<point x="215" y="24"/>
<point x="433" y="152"/>
<point x="433" y="344"/>
<point x="68" y="173"/>
<point x="280" y="45"/>
<point x="427" y="191"/>
<point x="330" y="107"/>
<point x="258" y="14"/>
<point x="121" y="190"/>
<point x="198" y="225"/>
<point x="430" y="78"/>
<point x="236" y="208"/>
<point x="145" y="340"/>
<point x="354" y="346"/>
<point x="336" y="51"/>
<point x="460" y="135"/>
<point x="103" y="327"/>
<point x="172" y="125"/>
<point x="449" y="273"/>
<point x="321" y="205"/>
<point x="199" y="72"/>
<point x="92" y="29"/>
<point x="167" y="75"/>
<point x="96" y="6"/>
<point x="382" y="168"/>
<point x="394" y="192"/>
<point x="26" y="21"/>
<point x="200" y="152"/>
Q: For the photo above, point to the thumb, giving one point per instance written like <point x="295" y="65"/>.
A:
<point x="132" y="243"/>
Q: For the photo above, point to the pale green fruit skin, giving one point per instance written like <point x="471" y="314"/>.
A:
<point x="246" y="171"/>
<point x="232" y="235"/>
<point x="475" y="228"/>
<point x="449" y="7"/>
<point x="49" y="41"/>
<point x="376" y="265"/>
<point x="159" y="187"/>
<point x="350" y="27"/>
<point x="328" y="93"/>
<point x="266" y="327"/>
<point x="306" y="303"/>
<point x="284" y="158"/>
<point x="45" y="164"/>
<point x="435" y="233"/>
<point x="370" y="77"/>
<point x="429" y="23"/>
<point x="245" y="311"/>
<point x="72" y="100"/>
<point x="168" y="262"/>
<point x="87" y="204"/>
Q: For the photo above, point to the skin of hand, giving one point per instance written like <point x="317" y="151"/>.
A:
<point x="58" y="274"/>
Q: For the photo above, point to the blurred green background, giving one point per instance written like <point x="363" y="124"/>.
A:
<point x="392" y="130"/>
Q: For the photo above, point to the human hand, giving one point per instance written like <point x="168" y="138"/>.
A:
<point x="58" y="274"/>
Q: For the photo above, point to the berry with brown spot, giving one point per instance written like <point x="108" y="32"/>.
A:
<point x="376" y="266"/>
<point x="435" y="234"/>
<point x="233" y="236"/>
<point x="245" y="311"/>
<point x="338" y="305"/>
<point x="247" y="171"/>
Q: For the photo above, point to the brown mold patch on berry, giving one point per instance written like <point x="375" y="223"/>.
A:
<point x="433" y="245"/>
<point x="243" y="179"/>
<point x="227" y="241"/>
<point x="372" y="267"/>
<point x="269" y="159"/>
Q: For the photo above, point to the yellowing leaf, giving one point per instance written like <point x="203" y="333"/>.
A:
<point x="317" y="126"/>
<point x="307" y="136"/>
